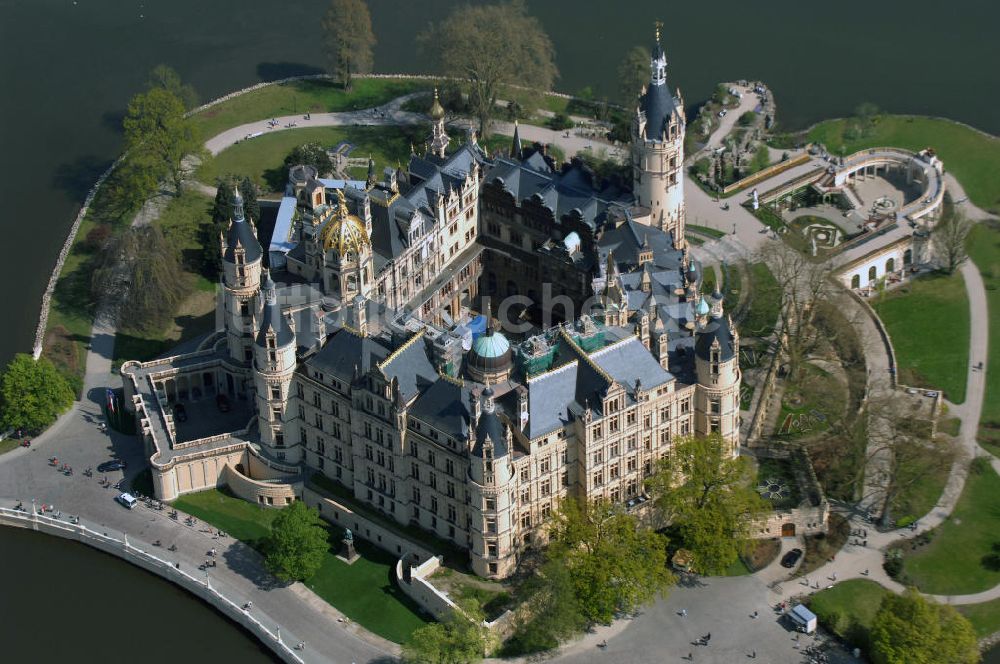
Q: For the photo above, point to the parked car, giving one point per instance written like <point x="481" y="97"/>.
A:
<point x="127" y="500"/>
<point x="222" y="401"/>
<point x="790" y="558"/>
<point x="108" y="466"/>
<point x="180" y="412"/>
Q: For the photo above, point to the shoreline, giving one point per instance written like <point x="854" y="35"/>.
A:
<point x="142" y="558"/>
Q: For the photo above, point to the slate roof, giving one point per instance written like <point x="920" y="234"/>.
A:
<point x="445" y="406"/>
<point x="343" y="351"/>
<point x="630" y="237"/>
<point x="549" y="398"/>
<point x="716" y="328"/>
<point x="628" y="361"/>
<point x="411" y="367"/>
<point x="240" y="234"/>
<point x="272" y="319"/>
<point x="658" y="105"/>
<point x="571" y="189"/>
<point x="490" y="427"/>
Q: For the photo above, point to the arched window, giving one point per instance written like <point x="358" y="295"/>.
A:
<point x="907" y="256"/>
<point x="856" y="281"/>
<point x="872" y="273"/>
<point x="890" y="265"/>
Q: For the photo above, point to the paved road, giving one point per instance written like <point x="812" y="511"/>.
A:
<point x="75" y="439"/>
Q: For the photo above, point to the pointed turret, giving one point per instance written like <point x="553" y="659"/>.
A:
<point x="516" y="151"/>
<point x="273" y="323"/>
<point x="240" y="236"/>
<point x="371" y="172"/>
<point x="439" y="140"/>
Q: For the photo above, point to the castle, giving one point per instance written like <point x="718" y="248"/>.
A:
<point x="361" y="354"/>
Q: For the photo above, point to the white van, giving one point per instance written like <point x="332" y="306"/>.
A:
<point x="128" y="500"/>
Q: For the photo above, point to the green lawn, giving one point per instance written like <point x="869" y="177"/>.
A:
<point x="9" y="444"/>
<point x="984" y="249"/>
<point x="364" y="591"/>
<point x="262" y="158"/>
<point x="928" y="322"/>
<point x="301" y="97"/>
<point x="706" y="230"/>
<point x="765" y="298"/>
<point x="985" y="617"/>
<point x="708" y="280"/>
<point x="973" y="157"/>
<point x="954" y="563"/>
<point x="848" y="608"/>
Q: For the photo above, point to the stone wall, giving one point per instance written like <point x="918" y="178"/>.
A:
<point x="422" y="591"/>
<point x="266" y="494"/>
<point x="341" y="515"/>
<point x="806" y="520"/>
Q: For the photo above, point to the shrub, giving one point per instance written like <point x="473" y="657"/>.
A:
<point x="560" y="122"/>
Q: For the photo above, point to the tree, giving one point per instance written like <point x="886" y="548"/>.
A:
<point x="707" y="497"/>
<point x="910" y="629"/>
<point x="490" y="46"/>
<point x="157" y="138"/>
<point x="949" y="239"/>
<point x="615" y="564"/>
<point x="459" y="639"/>
<point x="297" y="544"/>
<point x="311" y="154"/>
<point x="633" y="73"/>
<point x="802" y="285"/>
<point x="901" y="452"/>
<point x="747" y="119"/>
<point x="222" y="214"/>
<point x="32" y="394"/>
<point x="550" y="611"/>
<point x="168" y="79"/>
<point x="348" y="39"/>
<point x="142" y="270"/>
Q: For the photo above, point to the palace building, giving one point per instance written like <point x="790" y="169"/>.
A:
<point x="369" y="352"/>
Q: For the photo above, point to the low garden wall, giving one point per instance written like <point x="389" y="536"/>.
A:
<point x="343" y="516"/>
<point x="200" y="587"/>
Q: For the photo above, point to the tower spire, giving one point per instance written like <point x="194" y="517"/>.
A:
<point x="237" y="204"/>
<point x="515" y="145"/>
<point x="658" y="61"/>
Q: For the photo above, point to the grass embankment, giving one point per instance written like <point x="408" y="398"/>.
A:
<point x="984" y="249"/>
<point x="761" y="314"/>
<point x="301" y="97"/>
<point x="928" y="321"/>
<point x="849" y="608"/>
<point x="973" y="157"/>
<point x="985" y="616"/>
<point x="184" y="222"/>
<point x="961" y="557"/>
<point x="364" y="591"/>
<point x="71" y="313"/>
<point x="262" y="158"/>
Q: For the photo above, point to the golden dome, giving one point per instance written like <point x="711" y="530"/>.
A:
<point x="344" y="232"/>
<point x="437" y="111"/>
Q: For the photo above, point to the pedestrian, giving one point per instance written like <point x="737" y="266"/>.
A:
<point x="690" y="656"/>
<point x="755" y="613"/>
<point x="684" y="613"/>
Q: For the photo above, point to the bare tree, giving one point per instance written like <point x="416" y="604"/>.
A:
<point x="901" y="452"/>
<point x="802" y="284"/>
<point x="491" y="46"/>
<point x="949" y="238"/>
<point x="349" y="39"/>
<point x="633" y="73"/>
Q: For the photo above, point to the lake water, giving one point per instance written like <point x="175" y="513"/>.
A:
<point x="68" y="68"/>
